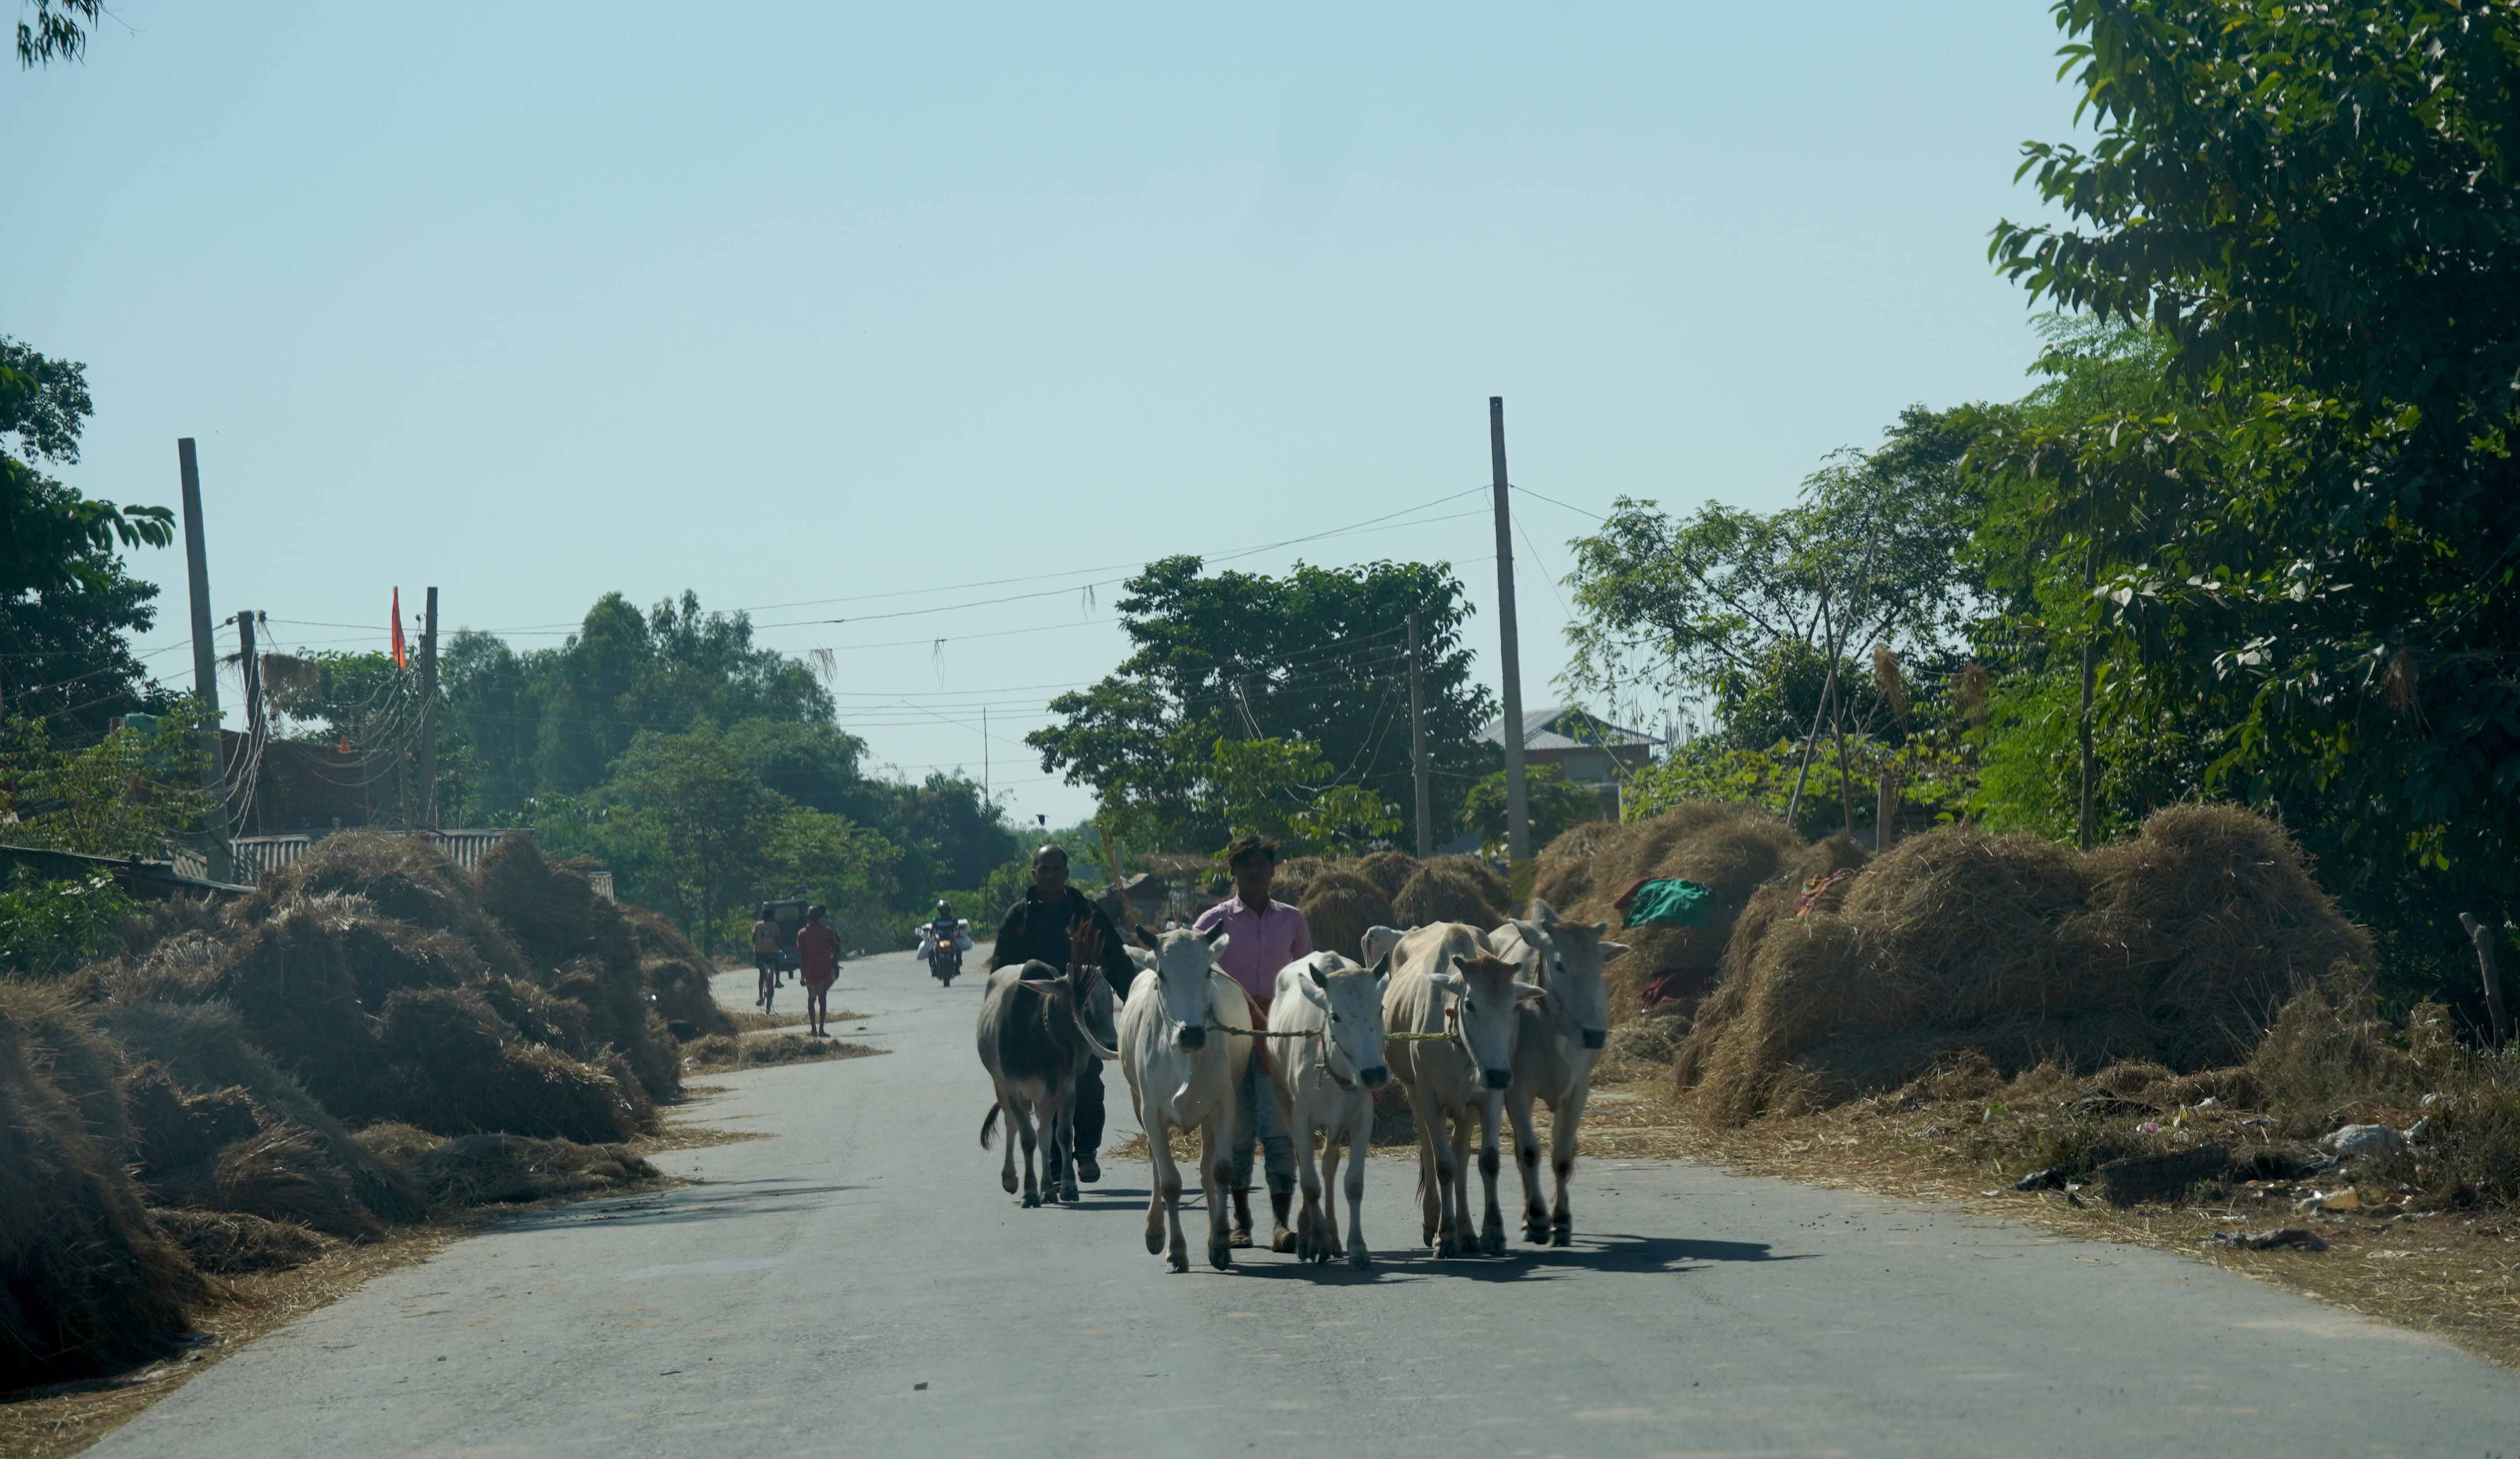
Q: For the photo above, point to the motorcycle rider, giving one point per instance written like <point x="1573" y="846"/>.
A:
<point x="945" y="941"/>
<point x="1041" y="925"/>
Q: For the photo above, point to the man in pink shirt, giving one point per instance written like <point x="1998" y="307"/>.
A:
<point x="1262" y="937"/>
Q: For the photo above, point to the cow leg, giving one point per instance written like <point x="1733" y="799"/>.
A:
<point x="1059" y="1130"/>
<point x="1526" y="1160"/>
<point x="1163" y="1206"/>
<point x="1310" y="1244"/>
<point x="1563" y="1121"/>
<point x="1460" y="1187"/>
<point x="1006" y="1111"/>
<point x="1491" y="1125"/>
<point x="1215" y="1168"/>
<point x="1020" y="1115"/>
<point x="1330" y="1151"/>
<point x="1435" y="1175"/>
<point x="1360" y="1133"/>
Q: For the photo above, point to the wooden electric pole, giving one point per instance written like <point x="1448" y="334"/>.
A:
<point x="205" y="665"/>
<point x="1517" y="800"/>
<point x="249" y="670"/>
<point x="1417" y="749"/>
<point x="429" y="713"/>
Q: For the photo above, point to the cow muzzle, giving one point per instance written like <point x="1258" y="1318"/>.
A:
<point x="1594" y="1038"/>
<point x="1194" y="1036"/>
<point x="1374" y="1078"/>
<point x="1497" y="1078"/>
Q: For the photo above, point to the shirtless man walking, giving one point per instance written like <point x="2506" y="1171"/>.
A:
<point x="818" y="966"/>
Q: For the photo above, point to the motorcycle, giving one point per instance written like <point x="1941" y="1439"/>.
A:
<point x="942" y="944"/>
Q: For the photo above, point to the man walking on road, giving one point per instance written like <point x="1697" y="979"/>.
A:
<point x="818" y="966"/>
<point x="1263" y="935"/>
<point x="1052" y="919"/>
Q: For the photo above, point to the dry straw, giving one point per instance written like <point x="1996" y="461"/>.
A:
<point x="1442" y="891"/>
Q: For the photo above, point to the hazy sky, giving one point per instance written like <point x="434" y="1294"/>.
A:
<point x="802" y="302"/>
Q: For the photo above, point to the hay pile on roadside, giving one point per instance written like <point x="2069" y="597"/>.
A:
<point x="1491" y="882"/>
<point x="722" y="1052"/>
<point x="1294" y="879"/>
<point x="677" y="973"/>
<point x="1442" y="891"/>
<point x="1339" y="907"/>
<point x="2176" y="948"/>
<point x="1389" y="871"/>
<point x="595" y="956"/>
<point x="232" y="1244"/>
<point x="403" y="878"/>
<point x="491" y="1170"/>
<point x="87" y="1283"/>
<point x="1731" y="850"/>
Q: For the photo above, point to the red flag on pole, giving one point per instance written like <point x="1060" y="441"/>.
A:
<point x="400" y="659"/>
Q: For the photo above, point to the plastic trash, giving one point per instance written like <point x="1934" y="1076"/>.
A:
<point x="2363" y="1139"/>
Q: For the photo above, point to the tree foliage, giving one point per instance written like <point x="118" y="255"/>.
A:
<point x="1316" y="658"/>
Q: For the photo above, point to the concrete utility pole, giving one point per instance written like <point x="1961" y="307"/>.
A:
<point x="429" y="713"/>
<point x="205" y="665"/>
<point x="1417" y="749"/>
<point x="1517" y="799"/>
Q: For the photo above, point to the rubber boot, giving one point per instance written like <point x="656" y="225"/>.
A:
<point x="1242" y="1233"/>
<point x="1279" y="1238"/>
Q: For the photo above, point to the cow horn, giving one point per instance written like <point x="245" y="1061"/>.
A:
<point x="1106" y="1055"/>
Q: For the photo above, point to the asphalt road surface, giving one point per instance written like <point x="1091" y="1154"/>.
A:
<point x="858" y="1283"/>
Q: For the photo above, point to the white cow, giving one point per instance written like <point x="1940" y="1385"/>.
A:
<point x="1182" y="1079"/>
<point x="1325" y="1079"/>
<point x="1554" y="1049"/>
<point x="1459" y="999"/>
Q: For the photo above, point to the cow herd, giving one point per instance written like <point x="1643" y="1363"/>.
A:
<point x="1470" y="1022"/>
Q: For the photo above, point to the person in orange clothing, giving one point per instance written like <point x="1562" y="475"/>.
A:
<point x="818" y="966"/>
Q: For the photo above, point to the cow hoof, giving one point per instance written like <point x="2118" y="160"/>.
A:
<point x="1492" y="1244"/>
<point x="1448" y="1247"/>
<point x="1357" y="1260"/>
<point x="1008" y="1182"/>
<point x="1067" y="1193"/>
<point x="1031" y="1201"/>
<point x="1179" y="1262"/>
<point x="1154" y="1242"/>
<point x="1561" y="1236"/>
<point x="1219" y="1256"/>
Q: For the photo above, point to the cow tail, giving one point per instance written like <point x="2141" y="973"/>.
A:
<point x="989" y="1128"/>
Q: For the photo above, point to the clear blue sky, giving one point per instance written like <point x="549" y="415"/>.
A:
<point x="787" y="302"/>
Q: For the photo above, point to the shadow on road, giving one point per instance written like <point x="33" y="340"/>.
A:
<point x="708" y="1202"/>
<point x="1614" y="1254"/>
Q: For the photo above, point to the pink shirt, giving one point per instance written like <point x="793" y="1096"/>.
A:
<point x="1258" y="943"/>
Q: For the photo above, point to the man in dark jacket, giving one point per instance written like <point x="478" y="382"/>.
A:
<point x="1052" y="917"/>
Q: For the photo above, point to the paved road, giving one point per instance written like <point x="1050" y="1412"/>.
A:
<point x="858" y="1283"/>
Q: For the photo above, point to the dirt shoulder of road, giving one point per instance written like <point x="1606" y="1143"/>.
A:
<point x="2452" y="1273"/>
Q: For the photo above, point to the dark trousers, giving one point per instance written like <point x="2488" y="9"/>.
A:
<point x="1086" y="1109"/>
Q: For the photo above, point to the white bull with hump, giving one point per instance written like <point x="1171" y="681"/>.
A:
<point x="1184" y="1040"/>
<point x="1324" y="1068"/>
<point x="1448" y="1015"/>
<point x="1557" y="1042"/>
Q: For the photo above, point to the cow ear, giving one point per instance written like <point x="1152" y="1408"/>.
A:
<point x="1145" y="939"/>
<point x="1542" y="913"/>
<point x="1381" y="968"/>
<point x="1532" y="936"/>
<point x="1598" y="928"/>
<point x="1313" y="971"/>
<point x="1218" y="942"/>
<point x="1214" y="936"/>
<point x="1529" y="993"/>
<point x="1610" y="950"/>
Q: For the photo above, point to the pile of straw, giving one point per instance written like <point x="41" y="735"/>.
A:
<point x="487" y="1170"/>
<point x="232" y="1244"/>
<point x="1442" y="891"/>
<point x="458" y="1069"/>
<point x="1339" y="906"/>
<point x="2177" y="948"/>
<point x="1731" y="850"/>
<point x="87" y="1283"/>
<point x="1389" y="871"/>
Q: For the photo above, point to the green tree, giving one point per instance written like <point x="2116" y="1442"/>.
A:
<point x="57" y="31"/>
<point x="2309" y="208"/>
<point x="690" y="824"/>
<point x="1318" y="656"/>
<point x="66" y="604"/>
<point x="127" y="794"/>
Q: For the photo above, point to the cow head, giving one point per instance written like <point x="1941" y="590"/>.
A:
<point x="1350" y="999"/>
<point x="1572" y="955"/>
<point x="1487" y="993"/>
<point x="1078" y="998"/>
<point x="1182" y="963"/>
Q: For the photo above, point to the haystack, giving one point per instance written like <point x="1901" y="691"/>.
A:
<point x="456" y="1067"/>
<point x="587" y="950"/>
<point x="1294" y="879"/>
<point x="1389" y="871"/>
<point x="676" y="971"/>
<point x="1442" y="891"/>
<point x="205" y="1049"/>
<point x="280" y="1173"/>
<point x="406" y="878"/>
<point x="87" y="1283"/>
<point x="1491" y="882"/>
<point x="2176" y="948"/>
<point x="232" y="1244"/>
<point x="1562" y="873"/>
<point x="1339" y="907"/>
<point x="1730" y="849"/>
<point x="486" y="1169"/>
<point x="173" y="1131"/>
